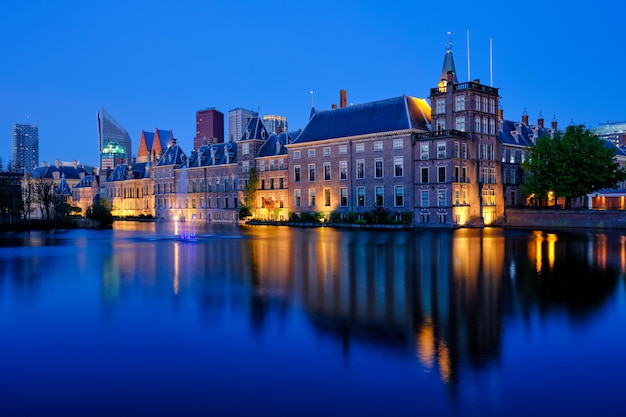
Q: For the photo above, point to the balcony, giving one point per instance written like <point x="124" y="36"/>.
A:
<point x="466" y="86"/>
<point x="441" y="134"/>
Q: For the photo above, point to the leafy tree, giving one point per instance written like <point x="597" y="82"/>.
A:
<point x="100" y="212"/>
<point x="44" y="195"/>
<point x="249" y="192"/>
<point x="244" y="212"/>
<point x="570" y="165"/>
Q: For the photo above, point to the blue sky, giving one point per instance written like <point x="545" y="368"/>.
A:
<point x="153" y="64"/>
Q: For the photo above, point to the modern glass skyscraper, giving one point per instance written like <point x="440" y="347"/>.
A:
<point x="114" y="142"/>
<point x="238" y="120"/>
<point x="25" y="148"/>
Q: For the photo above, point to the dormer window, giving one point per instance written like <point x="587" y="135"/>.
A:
<point x="248" y="133"/>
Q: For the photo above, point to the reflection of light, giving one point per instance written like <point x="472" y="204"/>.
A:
<point x="623" y="254"/>
<point x="443" y="355"/>
<point x="538" y="247"/>
<point x="425" y="344"/>
<point x="552" y="238"/>
<point x="176" y="267"/>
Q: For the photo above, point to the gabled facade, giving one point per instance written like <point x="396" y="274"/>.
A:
<point x="130" y="190"/>
<point x="272" y="199"/>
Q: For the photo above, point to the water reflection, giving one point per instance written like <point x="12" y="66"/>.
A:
<point x="441" y="299"/>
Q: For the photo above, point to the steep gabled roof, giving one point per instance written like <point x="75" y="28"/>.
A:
<point x="255" y="130"/>
<point x="63" y="188"/>
<point x="68" y="171"/>
<point x="275" y="145"/>
<point x="174" y="155"/>
<point x="393" y="114"/>
<point x="86" y="182"/>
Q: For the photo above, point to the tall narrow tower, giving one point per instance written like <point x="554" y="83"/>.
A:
<point x="462" y="150"/>
<point x="25" y="147"/>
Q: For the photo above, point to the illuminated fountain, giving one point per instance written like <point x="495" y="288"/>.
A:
<point x="186" y="226"/>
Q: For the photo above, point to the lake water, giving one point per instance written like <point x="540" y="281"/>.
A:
<point x="255" y="321"/>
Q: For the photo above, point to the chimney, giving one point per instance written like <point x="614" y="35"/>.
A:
<point x="525" y="117"/>
<point x="342" y="98"/>
<point x="334" y="106"/>
<point x="540" y="120"/>
<point x="173" y="141"/>
<point x="500" y="114"/>
<point x="450" y="77"/>
<point x="57" y="163"/>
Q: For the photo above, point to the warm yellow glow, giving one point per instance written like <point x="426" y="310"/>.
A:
<point x="176" y="283"/>
<point x="443" y="355"/>
<point x="552" y="238"/>
<point x="538" y="251"/>
<point x="423" y="106"/>
<point x="623" y="254"/>
<point x="425" y="344"/>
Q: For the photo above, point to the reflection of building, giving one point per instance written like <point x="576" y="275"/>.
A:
<point x="209" y="127"/>
<point x="114" y="142"/>
<point x="25" y="148"/>
<point x="238" y="120"/>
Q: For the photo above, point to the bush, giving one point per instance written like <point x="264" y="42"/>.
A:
<point x="293" y="217"/>
<point x="335" y="217"/>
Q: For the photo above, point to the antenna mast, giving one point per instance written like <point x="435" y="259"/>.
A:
<point x="491" y="61"/>
<point x="468" y="56"/>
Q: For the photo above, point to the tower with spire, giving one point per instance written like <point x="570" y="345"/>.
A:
<point x="459" y="158"/>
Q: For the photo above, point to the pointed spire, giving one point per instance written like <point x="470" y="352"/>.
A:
<point x="448" y="62"/>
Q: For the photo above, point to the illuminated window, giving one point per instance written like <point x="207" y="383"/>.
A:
<point x="327" y="197"/>
<point x="360" y="196"/>
<point x="311" y="196"/>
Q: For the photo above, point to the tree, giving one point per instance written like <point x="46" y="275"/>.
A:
<point x="100" y="212"/>
<point x="44" y="195"/>
<point x="249" y="195"/>
<point x="570" y="165"/>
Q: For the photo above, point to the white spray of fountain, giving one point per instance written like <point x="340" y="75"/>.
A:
<point x="186" y="226"/>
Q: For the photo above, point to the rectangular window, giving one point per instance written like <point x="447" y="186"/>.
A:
<point x="477" y="124"/>
<point x="457" y="173"/>
<point x="460" y="124"/>
<point x="296" y="173"/>
<point x="263" y="184"/>
<point x="464" y="150"/>
<point x="489" y="197"/>
<point x="398" y="144"/>
<point x="399" y="196"/>
<point x="441" y="174"/>
<point x="492" y="106"/>
<point x="360" y="147"/>
<point x="424" y="151"/>
<point x="262" y="166"/>
<point x="492" y="175"/>
<point x="424" y="171"/>
<point x="245" y="167"/>
<point x="380" y="201"/>
<point x="378" y="146"/>
<point x="327" y="197"/>
<point x="425" y="202"/>
<point x="465" y="197"/>
<point x="296" y="154"/>
<point x="378" y="168"/>
<point x="311" y="153"/>
<point x="343" y="149"/>
<point x="245" y="149"/>
<point x="311" y="197"/>
<point x="484" y="129"/>
<point x="326" y="171"/>
<point x="327" y="151"/>
<point x="512" y="156"/>
<point x="281" y="163"/>
<point x="297" y="195"/>
<point x="441" y="124"/>
<point x="343" y="197"/>
<point x="441" y="150"/>
<point x="343" y="170"/>
<point x="360" y="196"/>
<point x="360" y="169"/>
<point x="398" y="166"/>
<point x="484" y="175"/>
<point x="476" y="103"/>
<point x="441" y="106"/>
<point x="271" y="183"/>
<point x="311" y="172"/>
<point x="485" y="104"/>
<point x="271" y="165"/>
<point x="457" y="149"/>
<point x="441" y="198"/>
<point x="460" y="103"/>
<point x="492" y="127"/>
<point x="457" y="197"/>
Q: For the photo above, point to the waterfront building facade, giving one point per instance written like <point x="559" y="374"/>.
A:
<point x="130" y="190"/>
<point x="209" y="127"/>
<point x="25" y="148"/>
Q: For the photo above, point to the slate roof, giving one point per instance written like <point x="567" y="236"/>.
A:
<point x="275" y="145"/>
<point x="63" y="188"/>
<point x="68" y="171"/>
<point x="85" y="182"/>
<point x="214" y="154"/>
<point x="174" y="155"/>
<point x="516" y="133"/>
<point x="393" y="114"/>
<point x="448" y="65"/>
<point x="255" y="130"/>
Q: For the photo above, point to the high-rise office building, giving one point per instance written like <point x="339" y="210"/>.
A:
<point x="209" y="127"/>
<point x="114" y="142"/>
<point x="275" y="124"/>
<point x="25" y="147"/>
<point x="238" y="120"/>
